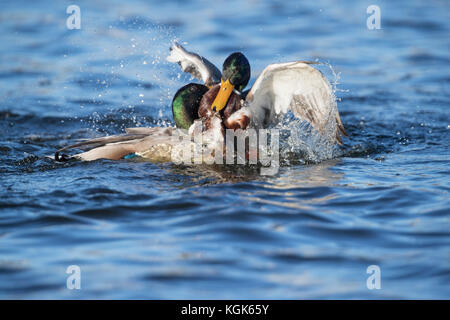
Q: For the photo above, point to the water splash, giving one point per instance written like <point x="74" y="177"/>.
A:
<point x="305" y="144"/>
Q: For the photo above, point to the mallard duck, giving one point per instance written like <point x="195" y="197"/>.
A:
<point x="281" y="87"/>
<point x="220" y="103"/>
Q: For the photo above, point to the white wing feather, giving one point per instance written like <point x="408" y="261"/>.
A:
<point x="194" y="64"/>
<point x="293" y="86"/>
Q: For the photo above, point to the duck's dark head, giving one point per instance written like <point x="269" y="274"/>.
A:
<point x="235" y="75"/>
<point x="185" y="104"/>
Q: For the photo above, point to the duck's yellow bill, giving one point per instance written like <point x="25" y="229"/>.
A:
<point x="226" y="88"/>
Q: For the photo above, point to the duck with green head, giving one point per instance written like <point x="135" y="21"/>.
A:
<point x="282" y="87"/>
<point x="195" y="101"/>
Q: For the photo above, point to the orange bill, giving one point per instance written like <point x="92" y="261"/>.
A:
<point x="226" y="88"/>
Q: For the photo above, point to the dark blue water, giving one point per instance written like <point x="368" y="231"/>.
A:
<point x="145" y="230"/>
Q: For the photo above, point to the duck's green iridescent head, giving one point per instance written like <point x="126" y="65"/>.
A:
<point x="236" y="69"/>
<point x="185" y="104"/>
<point x="235" y="75"/>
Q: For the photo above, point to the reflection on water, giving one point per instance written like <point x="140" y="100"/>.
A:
<point x="310" y="176"/>
<point x="285" y="189"/>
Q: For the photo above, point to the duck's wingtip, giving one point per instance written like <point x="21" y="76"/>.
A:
<point x="176" y="46"/>
<point x="176" y="53"/>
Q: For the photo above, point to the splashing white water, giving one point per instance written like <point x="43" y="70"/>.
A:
<point x="303" y="142"/>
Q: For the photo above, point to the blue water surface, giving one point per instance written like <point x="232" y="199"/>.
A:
<point x="161" y="231"/>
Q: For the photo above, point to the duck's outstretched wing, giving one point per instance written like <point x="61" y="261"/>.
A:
<point x="298" y="87"/>
<point x="194" y="64"/>
<point x="117" y="146"/>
